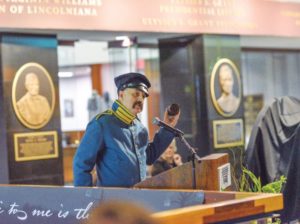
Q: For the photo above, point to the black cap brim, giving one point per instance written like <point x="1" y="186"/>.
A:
<point x="143" y="89"/>
<point x="140" y="86"/>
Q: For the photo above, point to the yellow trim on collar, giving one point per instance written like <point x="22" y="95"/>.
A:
<point x="122" y="113"/>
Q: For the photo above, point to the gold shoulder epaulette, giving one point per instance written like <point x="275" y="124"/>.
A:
<point x="107" y="112"/>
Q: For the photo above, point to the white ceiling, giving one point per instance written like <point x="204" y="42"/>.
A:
<point x="105" y="36"/>
<point x="95" y="43"/>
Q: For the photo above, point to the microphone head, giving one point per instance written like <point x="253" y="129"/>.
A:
<point x="173" y="109"/>
<point x="155" y="120"/>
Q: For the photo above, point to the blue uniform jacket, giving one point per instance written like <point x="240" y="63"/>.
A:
<point x="119" y="150"/>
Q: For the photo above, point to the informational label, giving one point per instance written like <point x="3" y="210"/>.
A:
<point x="51" y="7"/>
<point x="35" y="145"/>
<point x="246" y="17"/>
<point x="228" y="133"/>
<point x="224" y="176"/>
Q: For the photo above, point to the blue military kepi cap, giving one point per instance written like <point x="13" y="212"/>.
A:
<point x="133" y="80"/>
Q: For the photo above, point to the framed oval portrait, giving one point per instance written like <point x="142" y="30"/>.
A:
<point x="33" y="95"/>
<point x="225" y="87"/>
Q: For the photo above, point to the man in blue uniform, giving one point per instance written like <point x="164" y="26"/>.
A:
<point x="117" y="143"/>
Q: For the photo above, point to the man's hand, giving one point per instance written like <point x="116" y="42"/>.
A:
<point x="171" y="120"/>
<point x="177" y="159"/>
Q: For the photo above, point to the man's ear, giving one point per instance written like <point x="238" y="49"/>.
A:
<point x="121" y="94"/>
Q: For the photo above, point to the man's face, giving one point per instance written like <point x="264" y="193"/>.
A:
<point x="170" y="151"/>
<point x="226" y="79"/>
<point x="132" y="99"/>
<point x="33" y="87"/>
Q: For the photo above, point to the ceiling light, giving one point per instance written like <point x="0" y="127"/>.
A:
<point x="65" y="74"/>
<point x="126" y="41"/>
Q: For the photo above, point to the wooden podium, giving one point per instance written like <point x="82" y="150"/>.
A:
<point x="68" y="205"/>
<point x="225" y="207"/>
<point x="207" y="175"/>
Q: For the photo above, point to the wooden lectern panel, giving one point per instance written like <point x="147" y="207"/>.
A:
<point x="181" y="177"/>
<point x="237" y="208"/>
<point x="72" y="205"/>
<point x="207" y="171"/>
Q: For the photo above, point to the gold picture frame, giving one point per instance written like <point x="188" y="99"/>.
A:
<point x="226" y="107"/>
<point x="33" y="95"/>
<point x="228" y="133"/>
<point x="35" y="146"/>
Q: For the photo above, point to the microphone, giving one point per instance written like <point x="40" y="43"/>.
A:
<point x="160" y="123"/>
<point x="173" y="109"/>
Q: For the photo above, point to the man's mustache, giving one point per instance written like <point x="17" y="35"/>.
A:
<point x="138" y="103"/>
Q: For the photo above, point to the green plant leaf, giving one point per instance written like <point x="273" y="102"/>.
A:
<point x="256" y="181"/>
<point x="274" y="187"/>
